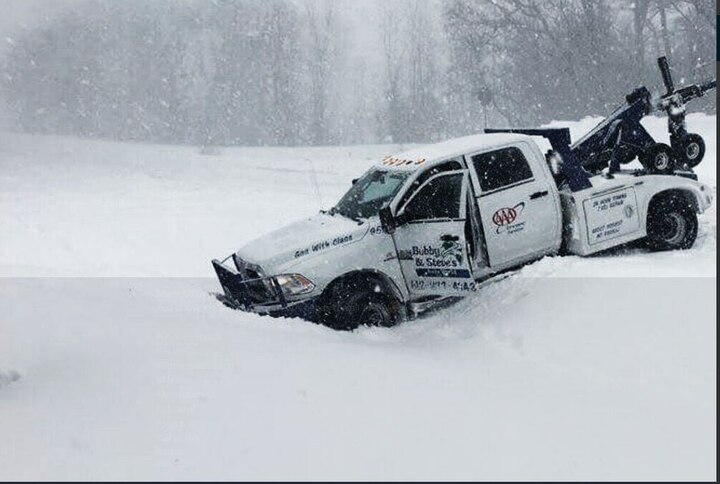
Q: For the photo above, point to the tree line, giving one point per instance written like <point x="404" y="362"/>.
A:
<point x="298" y="72"/>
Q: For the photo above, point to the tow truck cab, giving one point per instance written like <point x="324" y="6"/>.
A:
<point x="438" y="221"/>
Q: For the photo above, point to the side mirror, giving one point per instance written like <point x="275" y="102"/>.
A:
<point x="355" y="180"/>
<point x="387" y="220"/>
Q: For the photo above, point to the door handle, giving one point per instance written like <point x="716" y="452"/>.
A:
<point x="537" y="195"/>
<point x="449" y="238"/>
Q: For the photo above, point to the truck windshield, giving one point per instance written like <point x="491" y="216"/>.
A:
<point x="368" y="195"/>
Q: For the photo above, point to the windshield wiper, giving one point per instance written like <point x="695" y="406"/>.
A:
<point x="333" y="211"/>
<point x="354" y="219"/>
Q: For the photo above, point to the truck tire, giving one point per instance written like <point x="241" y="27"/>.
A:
<point x="693" y="150"/>
<point x="351" y="305"/>
<point x="659" y="158"/>
<point x="671" y="224"/>
<point x="374" y="310"/>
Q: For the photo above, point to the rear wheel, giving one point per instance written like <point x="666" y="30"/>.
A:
<point x="671" y="224"/>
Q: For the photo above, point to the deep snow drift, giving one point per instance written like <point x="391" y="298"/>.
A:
<point x="596" y="368"/>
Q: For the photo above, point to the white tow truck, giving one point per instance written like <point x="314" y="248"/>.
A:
<point x="438" y="222"/>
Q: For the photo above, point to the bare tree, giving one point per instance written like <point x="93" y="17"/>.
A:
<point x="321" y="23"/>
<point x="318" y="71"/>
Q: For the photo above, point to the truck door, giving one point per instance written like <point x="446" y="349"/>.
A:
<point x="431" y="237"/>
<point x="519" y="212"/>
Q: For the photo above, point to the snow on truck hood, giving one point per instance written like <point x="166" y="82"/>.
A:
<point x="313" y="236"/>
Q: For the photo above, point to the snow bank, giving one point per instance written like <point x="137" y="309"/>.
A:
<point x="576" y="369"/>
<point x="534" y="379"/>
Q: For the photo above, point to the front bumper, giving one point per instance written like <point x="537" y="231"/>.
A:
<point x="261" y="295"/>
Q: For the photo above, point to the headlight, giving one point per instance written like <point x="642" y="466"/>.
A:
<point x="294" y="284"/>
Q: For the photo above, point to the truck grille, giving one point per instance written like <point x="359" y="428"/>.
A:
<point x="257" y="291"/>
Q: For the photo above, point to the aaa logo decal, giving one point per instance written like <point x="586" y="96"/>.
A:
<point x="505" y="219"/>
<point x="507" y="215"/>
<point x="504" y="216"/>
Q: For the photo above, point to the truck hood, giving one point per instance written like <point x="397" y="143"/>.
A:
<point x="313" y="236"/>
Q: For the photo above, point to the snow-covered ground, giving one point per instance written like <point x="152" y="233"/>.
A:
<point x="117" y="363"/>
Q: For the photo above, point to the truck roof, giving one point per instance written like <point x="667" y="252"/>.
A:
<point x="428" y="155"/>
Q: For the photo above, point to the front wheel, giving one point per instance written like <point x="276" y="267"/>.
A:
<point x="375" y="310"/>
<point x="671" y="224"/>
<point x="351" y="307"/>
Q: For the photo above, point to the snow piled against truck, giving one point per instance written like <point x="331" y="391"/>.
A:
<point x="575" y="368"/>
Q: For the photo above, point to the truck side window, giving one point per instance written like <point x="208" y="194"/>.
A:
<point x="501" y="168"/>
<point x="451" y="165"/>
<point x="438" y="199"/>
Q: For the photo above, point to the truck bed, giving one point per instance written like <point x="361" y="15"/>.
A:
<point x="613" y="211"/>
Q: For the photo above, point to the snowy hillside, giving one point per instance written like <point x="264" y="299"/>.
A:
<point x="117" y="363"/>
